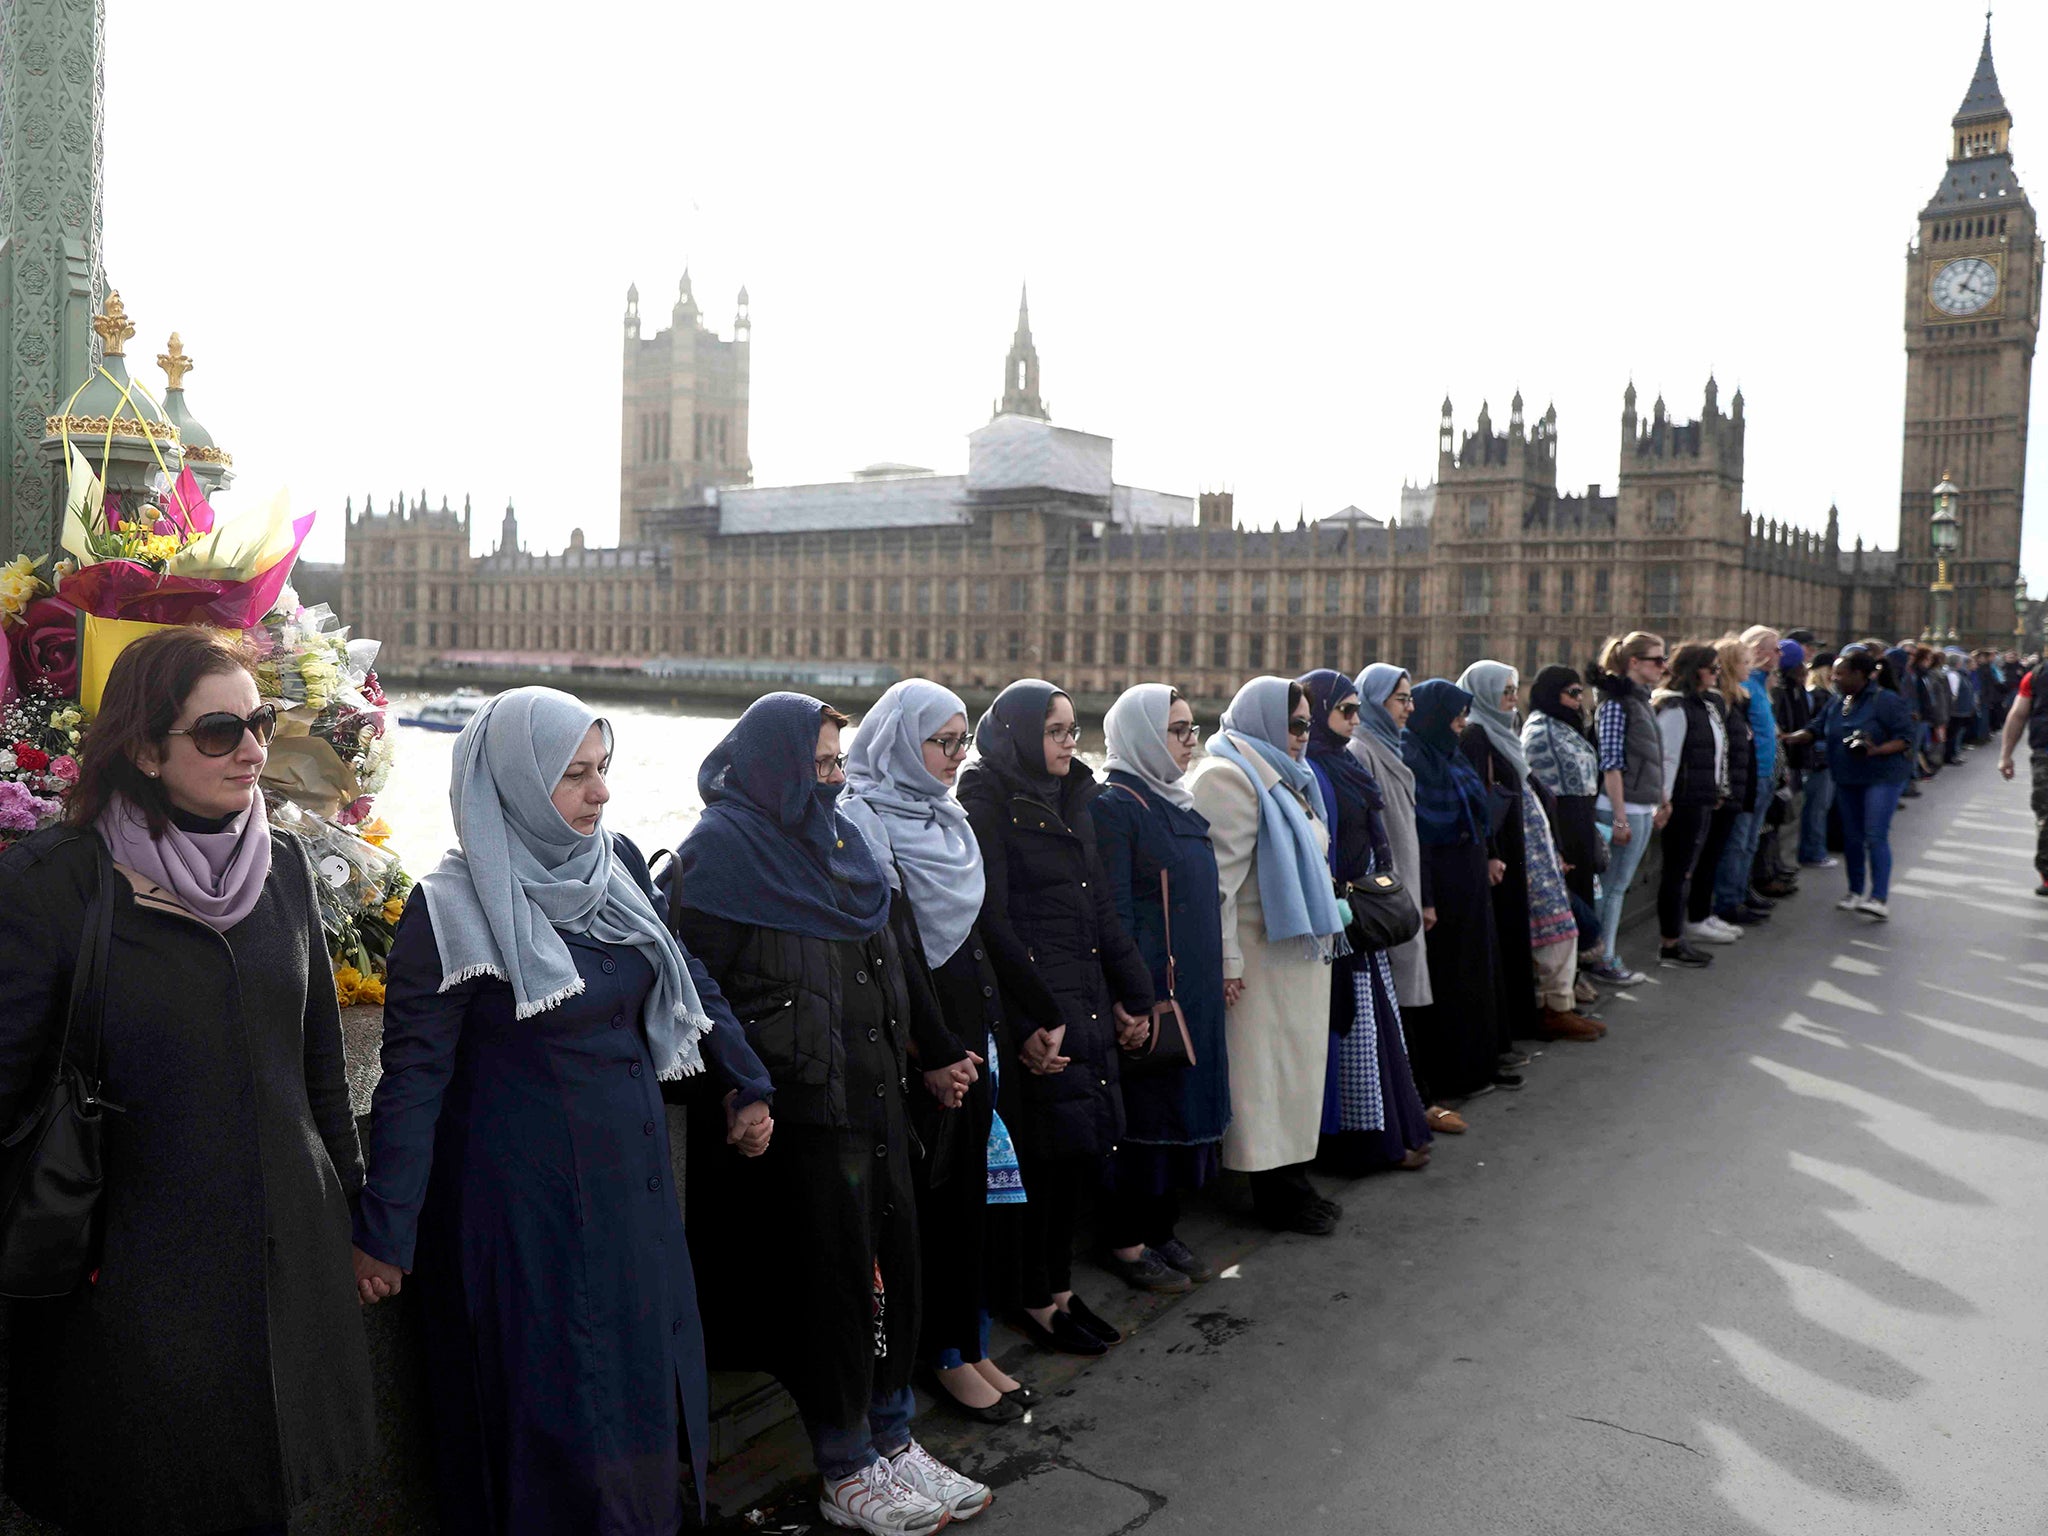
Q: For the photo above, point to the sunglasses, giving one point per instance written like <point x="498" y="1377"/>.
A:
<point x="1656" y="660"/>
<point x="1065" y="735"/>
<point x="1348" y="709"/>
<point x="1575" y="692"/>
<point x="217" y="735"/>
<point x="1296" y="726"/>
<point x="951" y="746"/>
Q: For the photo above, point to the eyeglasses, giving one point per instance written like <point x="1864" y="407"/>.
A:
<point x="827" y="766"/>
<point x="1185" y="731"/>
<point x="1348" y="709"/>
<point x="216" y="735"/>
<point x="1065" y="735"/>
<point x="1296" y="726"/>
<point x="1400" y="698"/>
<point x="951" y="746"/>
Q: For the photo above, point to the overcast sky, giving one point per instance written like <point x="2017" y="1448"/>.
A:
<point x="1262" y="244"/>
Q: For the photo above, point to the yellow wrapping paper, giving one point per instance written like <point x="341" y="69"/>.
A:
<point x="99" y="642"/>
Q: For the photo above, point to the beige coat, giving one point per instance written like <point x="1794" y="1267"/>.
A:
<point x="1278" y="1033"/>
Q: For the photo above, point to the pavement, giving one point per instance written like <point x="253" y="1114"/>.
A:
<point x="1768" y="1259"/>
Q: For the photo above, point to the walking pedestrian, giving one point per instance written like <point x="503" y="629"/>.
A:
<point x="2022" y="719"/>
<point x="1869" y="736"/>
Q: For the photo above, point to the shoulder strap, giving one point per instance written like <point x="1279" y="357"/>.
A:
<point x="1131" y="792"/>
<point x="1166" y="916"/>
<point x="88" y="1001"/>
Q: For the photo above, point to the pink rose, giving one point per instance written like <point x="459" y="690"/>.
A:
<point x="65" y="768"/>
<point x="45" y="645"/>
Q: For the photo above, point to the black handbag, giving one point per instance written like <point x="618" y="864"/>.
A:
<point x="51" y="1171"/>
<point x="1383" y="914"/>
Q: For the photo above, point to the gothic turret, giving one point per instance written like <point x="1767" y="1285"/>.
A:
<point x="1020" y="370"/>
<point x="632" y="311"/>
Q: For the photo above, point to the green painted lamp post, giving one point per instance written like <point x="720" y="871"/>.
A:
<point x="1945" y="534"/>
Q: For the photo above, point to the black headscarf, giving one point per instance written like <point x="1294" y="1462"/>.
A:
<point x="1009" y="743"/>
<point x="772" y="849"/>
<point x="1547" y="694"/>
<point x="1352" y="786"/>
<point x="1450" y="797"/>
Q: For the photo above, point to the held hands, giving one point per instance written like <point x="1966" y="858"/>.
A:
<point x="1663" y="815"/>
<point x="1132" y="1030"/>
<point x="949" y="1085"/>
<point x="375" y="1279"/>
<point x="749" y="1129"/>
<point x="1233" y="989"/>
<point x="1496" y="871"/>
<point x="1428" y="918"/>
<point x="1041" y="1051"/>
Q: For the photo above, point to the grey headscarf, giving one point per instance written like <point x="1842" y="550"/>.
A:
<point x="1485" y="681"/>
<point x="523" y="876"/>
<point x="1138" y="744"/>
<point x="918" y="830"/>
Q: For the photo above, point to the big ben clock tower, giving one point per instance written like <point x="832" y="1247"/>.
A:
<point x="1973" y="309"/>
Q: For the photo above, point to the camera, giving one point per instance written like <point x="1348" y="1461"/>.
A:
<point x="1857" y="743"/>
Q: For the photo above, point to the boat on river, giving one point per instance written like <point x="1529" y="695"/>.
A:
<point x="449" y="713"/>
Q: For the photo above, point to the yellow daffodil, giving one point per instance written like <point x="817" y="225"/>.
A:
<point x="18" y="587"/>
<point x="371" y="990"/>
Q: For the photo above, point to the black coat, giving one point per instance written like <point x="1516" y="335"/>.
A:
<point x="215" y="1373"/>
<point x="1051" y="925"/>
<point x="1518" y="1011"/>
<point x="786" y="1244"/>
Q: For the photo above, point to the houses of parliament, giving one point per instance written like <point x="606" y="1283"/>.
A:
<point x="1036" y="561"/>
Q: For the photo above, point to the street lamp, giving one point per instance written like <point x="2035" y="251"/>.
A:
<point x="2019" y="615"/>
<point x="1944" y="534"/>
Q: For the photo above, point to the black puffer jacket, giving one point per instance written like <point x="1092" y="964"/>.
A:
<point x="1062" y="958"/>
<point x="1742" y="786"/>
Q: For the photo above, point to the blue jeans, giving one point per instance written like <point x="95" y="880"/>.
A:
<point x="1867" y="829"/>
<point x="1813" y="816"/>
<point x="1623" y="859"/>
<point x="843" y="1452"/>
<point x="1731" y="878"/>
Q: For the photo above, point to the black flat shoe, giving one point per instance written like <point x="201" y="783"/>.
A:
<point x="1312" y="1220"/>
<point x="1091" y="1324"/>
<point x="1001" y="1411"/>
<point x="1064" y="1337"/>
<point x="1022" y="1396"/>
<point x="1508" y="1080"/>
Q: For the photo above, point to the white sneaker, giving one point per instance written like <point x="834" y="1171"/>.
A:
<point x="1853" y="902"/>
<point x="1702" y="933"/>
<point x="1715" y="920"/>
<point x="962" y="1497"/>
<point x="875" y="1500"/>
<point x="1877" y="909"/>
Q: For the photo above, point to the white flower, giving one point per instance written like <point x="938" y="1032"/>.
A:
<point x="7" y="763"/>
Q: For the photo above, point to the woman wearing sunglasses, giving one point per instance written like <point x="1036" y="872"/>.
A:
<point x="1631" y="781"/>
<point x="1072" y="984"/>
<point x="1281" y="930"/>
<point x="212" y="1370"/>
<point x="1561" y="757"/>
<point x="1161" y="868"/>
<point x="809" y="1253"/>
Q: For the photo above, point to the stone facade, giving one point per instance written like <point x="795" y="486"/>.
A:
<point x="683" y="422"/>
<point x="1973" y="312"/>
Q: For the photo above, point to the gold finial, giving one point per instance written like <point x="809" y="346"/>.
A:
<point x="113" y="324"/>
<point x="175" y="363"/>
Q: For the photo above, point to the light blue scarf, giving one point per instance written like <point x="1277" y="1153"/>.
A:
<point x="1294" y="875"/>
<point x="523" y="877"/>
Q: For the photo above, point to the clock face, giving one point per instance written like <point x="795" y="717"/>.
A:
<point x="1964" y="287"/>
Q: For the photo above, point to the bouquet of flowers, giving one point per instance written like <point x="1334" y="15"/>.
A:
<point x="362" y="890"/>
<point x="39" y="737"/>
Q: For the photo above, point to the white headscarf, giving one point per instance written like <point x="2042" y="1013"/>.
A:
<point x="523" y="876"/>
<point x="1139" y="745"/>
<point x="1486" y="681"/>
<point x="919" y="831"/>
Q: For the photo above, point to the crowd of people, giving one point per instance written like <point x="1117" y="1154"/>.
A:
<point x="937" y="999"/>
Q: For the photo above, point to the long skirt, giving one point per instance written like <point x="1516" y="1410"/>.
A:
<point x="1372" y="1115"/>
<point x="1457" y="1037"/>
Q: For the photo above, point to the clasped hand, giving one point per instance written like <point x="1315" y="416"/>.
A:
<point x="750" y="1128"/>
<point x="949" y="1085"/>
<point x="1041" y="1051"/>
<point x="1132" y="1029"/>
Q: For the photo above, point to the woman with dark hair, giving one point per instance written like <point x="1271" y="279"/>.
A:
<point x="900" y="773"/>
<point x="1869" y="736"/>
<point x="1695" y="741"/>
<point x="1161" y="868"/>
<point x="810" y="1253"/>
<point x="1457" y="1035"/>
<point x="1562" y="758"/>
<point x="1281" y="929"/>
<point x="211" y="1372"/>
<point x="1372" y="1116"/>
<point x="1073" y="984"/>
<point x="1531" y="907"/>
<point x="519" y="1157"/>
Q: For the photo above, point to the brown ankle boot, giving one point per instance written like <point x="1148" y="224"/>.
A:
<point x="1569" y="1026"/>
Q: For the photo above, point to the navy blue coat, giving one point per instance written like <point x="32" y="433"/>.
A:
<point x="520" y="1171"/>
<point x="1138" y="833"/>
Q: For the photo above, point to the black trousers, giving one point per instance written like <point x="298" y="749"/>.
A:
<point x="1699" y="901"/>
<point x="1133" y="1220"/>
<point x="1279" y="1194"/>
<point x="1051" y="1209"/>
<point x="1685" y="834"/>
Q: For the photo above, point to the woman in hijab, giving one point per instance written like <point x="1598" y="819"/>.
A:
<point x="1072" y="984"/>
<point x="1281" y="929"/>
<point x="1561" y="757"/>
<point x="218" y="1375"/>
<point x="1532" y="910"/>
<point x="1372" y="1115"/>
<point x="519" y="1160"/>
<point x="1161" y="869"/>
<point x="899" y="776"/>
<point x="1385" y="700"/>
<point x="810" y="1253"/>
<point x="1457" y="1034"/>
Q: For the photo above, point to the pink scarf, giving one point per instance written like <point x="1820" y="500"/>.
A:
<point x="218" y="876"/>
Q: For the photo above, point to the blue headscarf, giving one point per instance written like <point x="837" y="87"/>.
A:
<point x="1450" y="797"/>
<point x="1376" y="684"/>
<point x="772" y="849"/>
<point x="1348" y="785"/>
<point x="1294" y="877"/>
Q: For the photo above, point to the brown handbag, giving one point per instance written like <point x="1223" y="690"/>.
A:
<point x="1167" y="1044"/>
